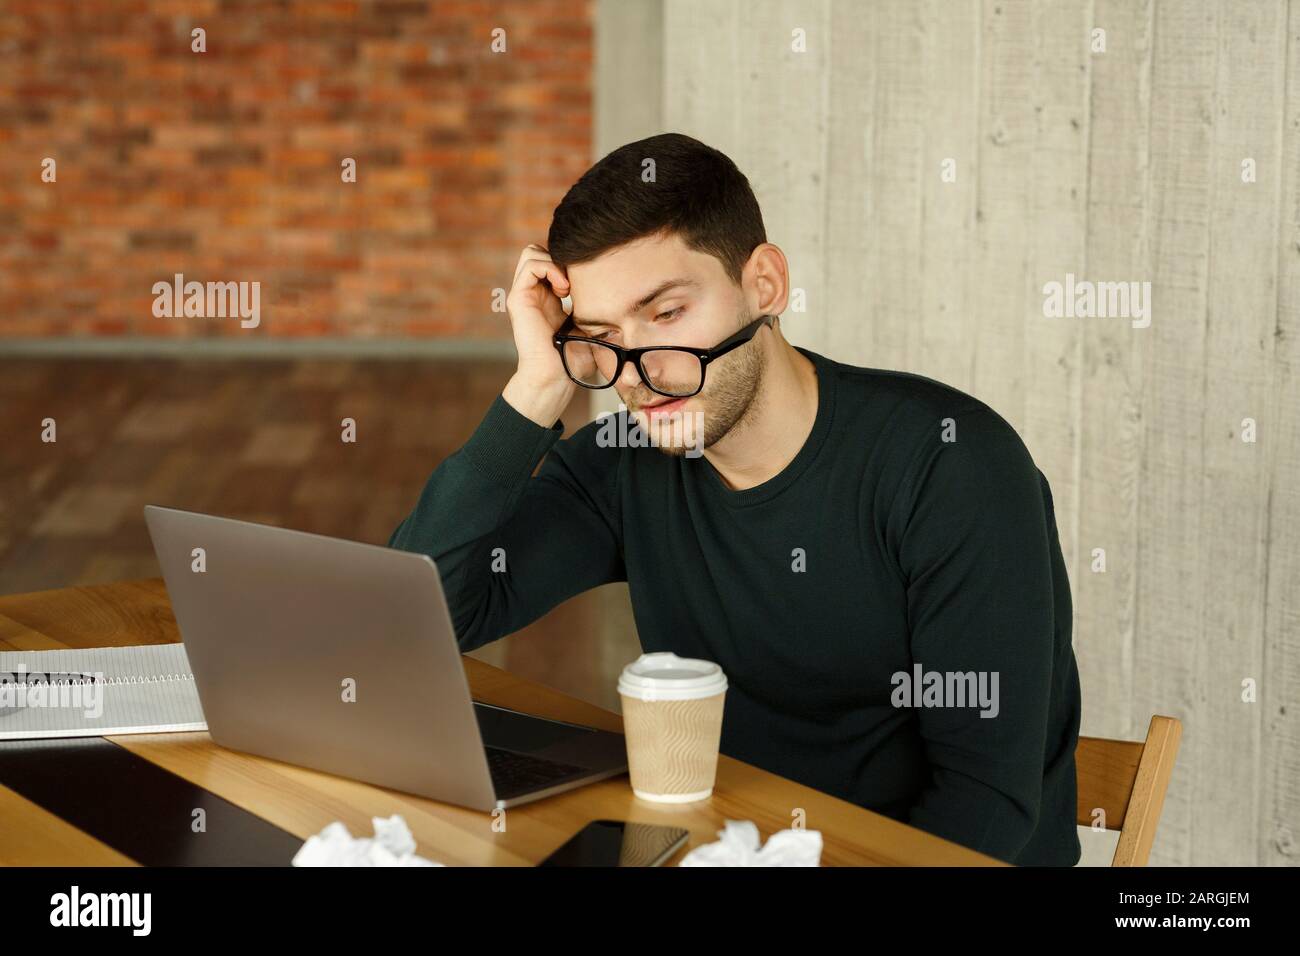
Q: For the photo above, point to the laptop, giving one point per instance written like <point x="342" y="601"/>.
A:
<point x="341" y="656"/>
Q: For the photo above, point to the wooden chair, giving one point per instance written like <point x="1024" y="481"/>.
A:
<point x="1128" y="779"/>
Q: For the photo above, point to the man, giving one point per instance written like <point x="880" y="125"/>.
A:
<point x="871" y="556"/>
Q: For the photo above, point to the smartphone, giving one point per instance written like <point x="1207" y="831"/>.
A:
<point x="618" y="843"/>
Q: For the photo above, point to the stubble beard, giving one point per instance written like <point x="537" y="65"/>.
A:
<point x="732" y="398"/>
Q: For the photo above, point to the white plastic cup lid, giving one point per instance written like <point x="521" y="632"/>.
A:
<point x="665" y="676"/>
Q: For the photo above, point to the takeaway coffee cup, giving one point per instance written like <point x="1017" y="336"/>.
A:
<point x="672" y="721"/>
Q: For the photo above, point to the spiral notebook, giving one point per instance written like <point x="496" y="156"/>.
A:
<point x="98" y="691"/>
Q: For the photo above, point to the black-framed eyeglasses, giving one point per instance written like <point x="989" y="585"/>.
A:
<point x="675" y="371"/>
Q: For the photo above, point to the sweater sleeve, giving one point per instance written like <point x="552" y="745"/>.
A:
<point x="977" y="558"/>
<point x="509" y="546"/>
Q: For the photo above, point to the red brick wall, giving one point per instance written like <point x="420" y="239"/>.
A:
<point x="225" y="165"/>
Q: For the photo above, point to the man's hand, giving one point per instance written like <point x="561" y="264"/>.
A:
<point x="540" y="389"/>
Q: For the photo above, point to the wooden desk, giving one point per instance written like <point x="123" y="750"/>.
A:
<point x="303" y="802"/>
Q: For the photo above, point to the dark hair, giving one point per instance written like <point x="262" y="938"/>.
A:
<point x="697" y="193"/>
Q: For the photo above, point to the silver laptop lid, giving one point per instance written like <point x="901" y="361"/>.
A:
<point x="326" y="653"/>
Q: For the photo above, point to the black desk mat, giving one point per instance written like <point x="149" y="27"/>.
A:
<point x="138" y="808"/>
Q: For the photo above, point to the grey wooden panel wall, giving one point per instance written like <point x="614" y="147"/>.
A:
<point x="1122" y="165"/>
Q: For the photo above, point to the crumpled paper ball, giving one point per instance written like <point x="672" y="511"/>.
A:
<point x="392" y="845"/>
<point x="739" y="846"/>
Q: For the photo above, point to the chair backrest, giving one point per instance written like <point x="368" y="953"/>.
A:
<point x="1127" y="780"/>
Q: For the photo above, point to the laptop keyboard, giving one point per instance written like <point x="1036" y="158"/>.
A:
<point x="515" y="773"/>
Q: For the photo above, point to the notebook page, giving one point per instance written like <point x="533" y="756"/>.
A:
<point x="97" y="691"/>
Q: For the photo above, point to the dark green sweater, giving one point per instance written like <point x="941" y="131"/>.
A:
<point x="881" y="548"/>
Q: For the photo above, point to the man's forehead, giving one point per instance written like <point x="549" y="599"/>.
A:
<point x="633" y="299"/>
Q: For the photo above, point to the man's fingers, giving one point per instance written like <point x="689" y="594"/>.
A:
<point x="531" y="252"/>
<point x="535" y="253"/>
<point x="535" y="270"/>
